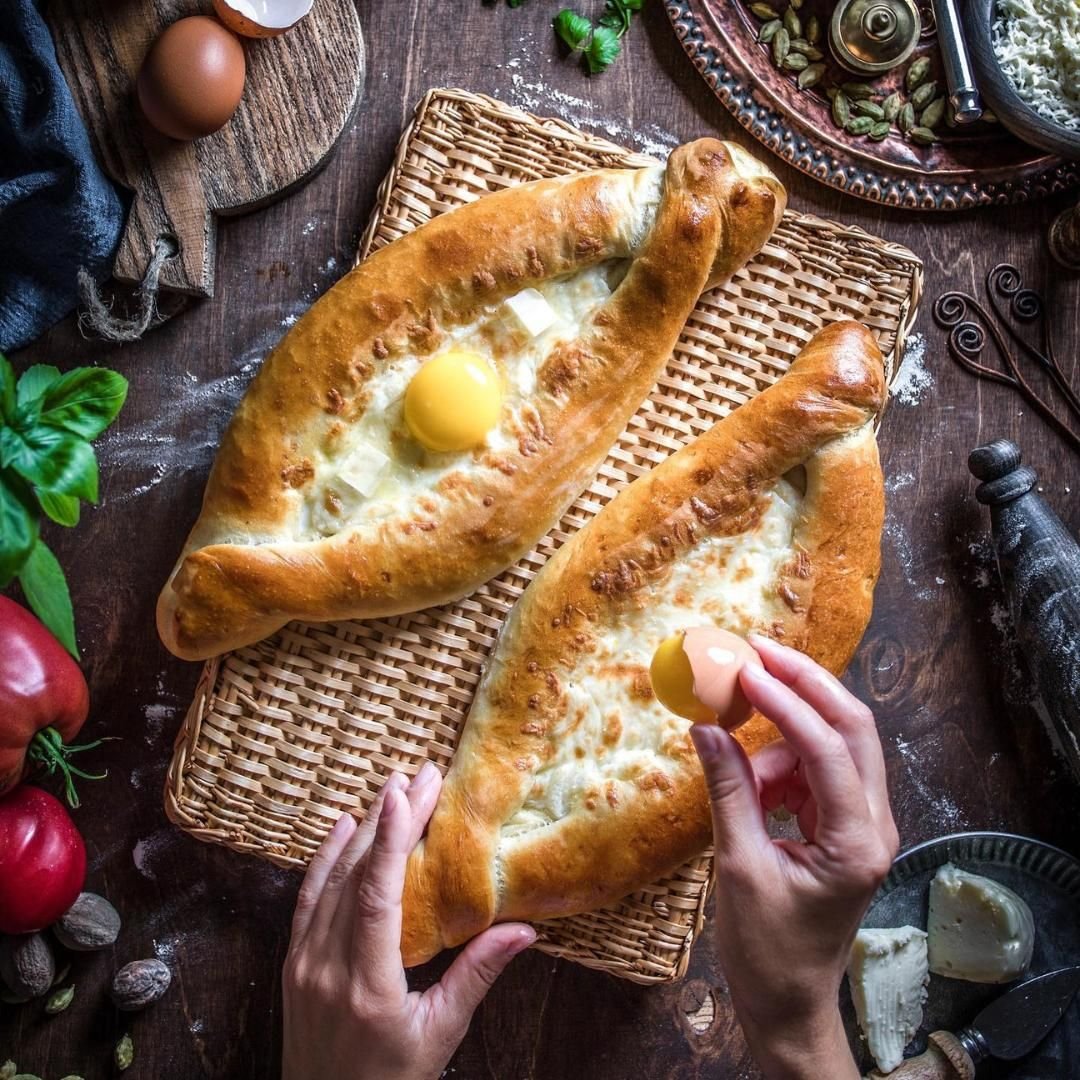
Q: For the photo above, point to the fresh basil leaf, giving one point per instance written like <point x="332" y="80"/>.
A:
<point x="52" y="460"/>
<point x="46" y="590"/>
<point x="18" y="527"/>
<point x="7" y="388"/>
<point x="603" y="48"/>
<point x="573" y="28"/>
<point x="63" y="509"/>
<point x="34" y="381"/>
<point x="84" y="401"/>
<point x="615" y="16"/>
<point x="631" y="5"/>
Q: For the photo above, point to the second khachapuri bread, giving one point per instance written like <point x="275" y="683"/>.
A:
<point x="572" y="786"/>
<point x="543" y="314"/>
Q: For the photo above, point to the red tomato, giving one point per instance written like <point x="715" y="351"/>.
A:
<point x="43" y="699"/>
<point x="42" y="860"/>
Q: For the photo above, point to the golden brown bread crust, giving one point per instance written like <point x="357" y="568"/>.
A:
<point x="467" y="874"/>
<point x="246" y="570"/>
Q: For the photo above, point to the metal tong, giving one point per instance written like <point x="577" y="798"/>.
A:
<point x="968" y="337"/>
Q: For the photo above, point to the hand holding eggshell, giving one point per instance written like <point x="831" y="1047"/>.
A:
<point x="696" y="675"/>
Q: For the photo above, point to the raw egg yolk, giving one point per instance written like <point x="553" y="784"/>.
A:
<point x="673" y="681"/>
<point x="453" y="401"/>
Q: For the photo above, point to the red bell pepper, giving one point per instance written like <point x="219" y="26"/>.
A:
<point x="44" y="701"/>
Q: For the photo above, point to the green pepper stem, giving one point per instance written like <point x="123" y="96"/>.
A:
<point x="49" y="751"/>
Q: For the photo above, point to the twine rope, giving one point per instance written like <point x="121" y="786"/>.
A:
<point x="97" y="318"/>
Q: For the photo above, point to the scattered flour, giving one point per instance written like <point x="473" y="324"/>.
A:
<point x="899" y="482"/>
<point x="156" y="717"/>
<point x="937" y="809"/>
<point x="913" y="379"/>
<point x="146" y="852"/>
<point x="536" y="96"/>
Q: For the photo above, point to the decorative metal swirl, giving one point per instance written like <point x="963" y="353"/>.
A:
<point x="971" y="326"/>
<point x="927" y="22"/>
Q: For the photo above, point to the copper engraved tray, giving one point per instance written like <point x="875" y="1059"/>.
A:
<point x="977" y="166"/>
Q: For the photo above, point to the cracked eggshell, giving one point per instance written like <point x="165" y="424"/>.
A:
<point x="261" y="18"/>
<point x="716" y="657"/>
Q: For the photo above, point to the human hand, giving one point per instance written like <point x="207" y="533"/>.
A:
<point x="787" y="912"/>
<point x="349" y="1013"/>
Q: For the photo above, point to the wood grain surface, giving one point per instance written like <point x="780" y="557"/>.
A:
<point x="300" y="91"/>
<point x="965" y="748"/>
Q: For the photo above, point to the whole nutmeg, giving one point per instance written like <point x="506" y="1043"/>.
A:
<point x="140" y="983"/>
<point x="27" y="965"/>
<point x="90" y="923"/>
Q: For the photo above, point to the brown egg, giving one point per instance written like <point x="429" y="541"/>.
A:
<point x="192" y="78"/>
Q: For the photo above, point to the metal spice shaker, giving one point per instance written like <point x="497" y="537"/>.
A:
<point x="870" y="37"/>
<point x="1039" y="562"/>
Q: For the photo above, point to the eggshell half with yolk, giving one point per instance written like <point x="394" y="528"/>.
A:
<point x="696" y="675"/>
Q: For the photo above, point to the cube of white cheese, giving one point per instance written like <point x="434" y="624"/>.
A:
<point x="888" y="975"/>
<point x="363" y="468"/>
<point x="979" y="929"/>
<point x="532" y="311"/>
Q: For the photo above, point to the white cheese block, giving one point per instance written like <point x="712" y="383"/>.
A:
<point x="979" y="930"/>
<point x="532" y="311"/>
<point x="888" y="975"/>
<point x="363" y="469"/>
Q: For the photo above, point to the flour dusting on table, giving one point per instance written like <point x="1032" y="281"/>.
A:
<point x="914" y="378"/>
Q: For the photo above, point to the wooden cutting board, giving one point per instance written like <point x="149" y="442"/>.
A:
<point x="300" y="93"/>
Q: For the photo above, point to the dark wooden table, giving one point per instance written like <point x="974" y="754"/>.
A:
<point x="964" y="746"/>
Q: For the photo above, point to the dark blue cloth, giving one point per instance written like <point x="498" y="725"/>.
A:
<point x="58" y="212"/>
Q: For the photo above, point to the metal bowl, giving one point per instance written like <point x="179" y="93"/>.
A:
<point x="996" y="87"/>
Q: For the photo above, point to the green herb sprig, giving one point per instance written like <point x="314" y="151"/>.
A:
<point x="599" y="45"/>
<point x="47" y="466"/>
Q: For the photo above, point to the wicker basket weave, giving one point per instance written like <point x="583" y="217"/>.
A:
<point x="285" y="735"/>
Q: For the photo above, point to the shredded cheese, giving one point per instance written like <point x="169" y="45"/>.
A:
<point x="1037" y="43"/>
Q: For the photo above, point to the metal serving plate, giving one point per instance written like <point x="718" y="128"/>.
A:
<point x="1048" y="879"/>
<point x="978" y="166"/>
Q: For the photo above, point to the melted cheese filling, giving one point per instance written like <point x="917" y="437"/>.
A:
<point x="615" y="730"/>
<point x="376" y="468"/>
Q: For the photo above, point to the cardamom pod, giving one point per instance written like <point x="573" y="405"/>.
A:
<point x="922" y="135"/>
<point x="765" y="34"/>
<point x="891" y="106"/>
<point x="795" y="62"/>
<point x="792" y="22"/>
<point x="831" y="91"/>
<point x="931" y="116"/>
<point x="871" y="109"/>
<point x="26" y="1076"/>
<point x="906" y="120"/>
<point x="811" y="76"/>
<point x="781" y="45"/>
<point x="71" y="1076"/>
<point x="880" y="130"/>
<point x="989" y="116"/>
<point x="858" y="91"/>
<point x="8" y="1070"/>
<point x="764" y="11"/>
<point x="801" y="45"/>
<point x="59" y="1001"/>
<point x="859" y="125"/>
<point x="796" y="4"/>
<point x="813" y="30"/>
<point x="841" y="109"/>
<point x="916" y="74"/>
<point x="124" y="1054"/>
<point x="924" y="95"/>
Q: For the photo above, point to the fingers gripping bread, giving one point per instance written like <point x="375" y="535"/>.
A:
<point x="623" y="255"/>
<point x="571" y="785"/>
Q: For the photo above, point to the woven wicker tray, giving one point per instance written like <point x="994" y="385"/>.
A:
<point x="285" y="735"/>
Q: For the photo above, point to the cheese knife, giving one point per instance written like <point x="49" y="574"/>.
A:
<point x="1008" y="1028"/>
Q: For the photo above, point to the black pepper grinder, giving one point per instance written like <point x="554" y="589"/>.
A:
<point x="1039" y="562"/>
